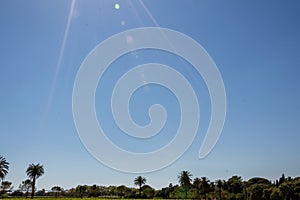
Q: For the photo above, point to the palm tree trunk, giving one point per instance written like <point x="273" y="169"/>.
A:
<point x="140" y="191"/>
<point x="33" y="187"/>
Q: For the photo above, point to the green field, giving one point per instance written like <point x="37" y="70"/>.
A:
<point x="65" y="198"/>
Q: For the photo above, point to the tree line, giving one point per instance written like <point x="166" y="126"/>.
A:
<point x="235" y="188"/>
<point x="34" y="171"/>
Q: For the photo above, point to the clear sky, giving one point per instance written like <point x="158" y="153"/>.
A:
<point x="255" y="44"/>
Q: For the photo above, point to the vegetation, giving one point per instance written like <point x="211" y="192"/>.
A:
<point x="5" y="185"/>
<point x="4" y="166"/>
<point x="235" y="188"/>
<point x="185" y="178"/>
<point x="57" y="190"/>
<point x="34" y="172"/>
<point x="25" y="186"/>
<point x="139" y="181"/>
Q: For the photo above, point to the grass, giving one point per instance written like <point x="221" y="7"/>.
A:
<point x="66" y="198"/>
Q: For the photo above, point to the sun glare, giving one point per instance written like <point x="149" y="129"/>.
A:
<point x="117" y="6"/>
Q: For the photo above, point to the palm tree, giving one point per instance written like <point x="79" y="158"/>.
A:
<point x="185" y="178"/>
<point x="139" y="181"/>
<point x="219" y="186"/>
<point x="196" y="182"/>
<point x="34" y="172"/>
<point x="204" y="186"/>
<point x="196" y="185"/>
<point x="4" y="166"/>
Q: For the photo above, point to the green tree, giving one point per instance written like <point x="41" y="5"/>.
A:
<point x="121" y="190"/>
<point x="4" y="167"/>
<point x="275" y="194"/>
<point x="258" y="180"/>
<point x="148" y="192"/>
<point x="219" y="185"/>
<point x="281" y="179"/>
<point x="256" y="188"/>
<point x="267" y="193"/>
<point x="41" y="193"/>
<point x="195" y="191"/>
<point x="286" y="191"/>
<point x="81" y="190"/>
<point x="185" y="178"/>
<point x="34" y="172"/>
<point x="196" y="182"/>
<point x="180" y="192"/>
<point x="93" y="191"/>
<point x="204" y="186"/>
<point x="5" y="186"/>
<point x="235" y="186"/>
<point x="165" y="192"/>
<point x="140" y="181"/>
<point x="56" y="190"/>
<point x="256" y="191"/>
<point x="25" y="186"/>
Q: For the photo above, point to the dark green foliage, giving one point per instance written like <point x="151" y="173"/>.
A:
<point x="201" y="188"/>
<point x="81" y="190"/>
<point x="235" y="184"/>
<point x="257" y="180"/>
<point x="57" y="190"/>
<point x="4" y="166"/>
<point x="185" y="178"/>
<point x="256" y="191"/>
<point x="34" y="172"/>
<point x="220" y="186"/>
<point x="139" y="181"/>
<point x="286" y="191"/>
<point x="165" y="192"/>
<point x="5" y="187"/>
<point x="25" y="186"/>
<point x="281" y="180"/>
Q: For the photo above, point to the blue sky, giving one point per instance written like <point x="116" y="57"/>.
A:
<point x="255" y="44"/>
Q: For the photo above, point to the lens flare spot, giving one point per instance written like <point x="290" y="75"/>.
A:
<point x="129" y="39"/>
<point x="117" y="6"/>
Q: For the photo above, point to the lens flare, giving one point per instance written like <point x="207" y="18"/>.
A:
<point x="117" y="6"/>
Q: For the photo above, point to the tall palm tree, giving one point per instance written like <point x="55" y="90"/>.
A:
<point x="4" y="166"/>
<point x="204" y="186"/>
<point x="196" y="182"/>
<point x="196" y="185"/>
<point x="139" y="181"/>
<point x="219" y="185"/>
<point x="34" y="172"/>
<point x="185" y="178"/>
